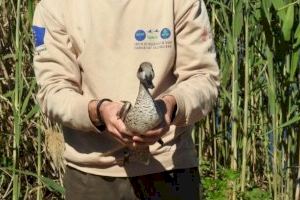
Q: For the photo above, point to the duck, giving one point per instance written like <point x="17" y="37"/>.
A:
<point x="145" y="114"/>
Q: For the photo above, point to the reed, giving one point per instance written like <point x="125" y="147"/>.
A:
<point x="259" y="86"/>
<point x="248" y="147"/>
<point x="246" y="98"/>
<point x="16" y="106"/>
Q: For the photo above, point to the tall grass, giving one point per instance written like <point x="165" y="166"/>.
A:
<point x="249" y="146"/>
<point x="258" y="43"/>
<point x="22" y="157"/>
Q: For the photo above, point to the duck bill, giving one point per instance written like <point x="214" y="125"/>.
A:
<point x="149" y="84"/>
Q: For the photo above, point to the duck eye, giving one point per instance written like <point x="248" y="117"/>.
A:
<point x="140" y="70"/>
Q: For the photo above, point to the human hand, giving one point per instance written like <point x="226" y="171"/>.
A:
<point x="168" y="104"/>
<point x="115" y="126"/>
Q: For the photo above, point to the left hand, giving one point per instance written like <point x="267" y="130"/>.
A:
<point x="152" y="136"/>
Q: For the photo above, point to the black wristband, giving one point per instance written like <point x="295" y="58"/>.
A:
<point x="174" y="113"/>
<point x="101" y="126"/>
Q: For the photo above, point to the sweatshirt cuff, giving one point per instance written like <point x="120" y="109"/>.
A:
<point x="180" y="118"/>
<point x="86" y="122"/>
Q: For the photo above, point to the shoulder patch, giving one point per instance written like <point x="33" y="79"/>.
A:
<point x="38" y="34"/>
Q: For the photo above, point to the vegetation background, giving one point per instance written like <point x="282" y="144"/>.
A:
<point x="248" y="147"/>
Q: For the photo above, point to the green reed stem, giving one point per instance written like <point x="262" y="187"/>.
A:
<point x="39" y="162"/>
<point x="213" y="25"/>
<point x="16" y="107"/>
<point x="273" y="113"/>
<point x="234" y="100"/>
<point x="246" y="99"/>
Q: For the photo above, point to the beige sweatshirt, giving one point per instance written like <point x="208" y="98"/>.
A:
<point x="92" y="49"/>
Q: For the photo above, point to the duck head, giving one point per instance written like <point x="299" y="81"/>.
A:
<point x="146" y="74"/>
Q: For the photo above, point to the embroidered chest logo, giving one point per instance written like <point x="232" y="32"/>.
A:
<point x="153" y="39"/>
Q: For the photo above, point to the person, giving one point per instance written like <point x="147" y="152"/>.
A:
<point x="86" y="57"/>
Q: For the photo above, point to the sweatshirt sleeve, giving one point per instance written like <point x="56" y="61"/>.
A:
<point x="57" y="72"/>
<point x="196" y="69"/>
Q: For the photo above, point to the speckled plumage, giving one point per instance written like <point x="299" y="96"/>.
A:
<point x="145" y="114"/>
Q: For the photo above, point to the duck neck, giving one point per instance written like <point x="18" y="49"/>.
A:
<point x="144" y="92"/>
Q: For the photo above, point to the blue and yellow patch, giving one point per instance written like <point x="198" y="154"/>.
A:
<point x="39" y="34"/>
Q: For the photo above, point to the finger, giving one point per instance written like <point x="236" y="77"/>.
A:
<point x="145" y="140"/>
<point x="119" y="136"/>
<point x="120" y="126"/>
<point x="138" y="145"/>
<point x="157" y="132"/>
<point x="154" y="132"/>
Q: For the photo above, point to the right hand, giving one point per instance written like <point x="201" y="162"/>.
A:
<point x="114" y="125"/>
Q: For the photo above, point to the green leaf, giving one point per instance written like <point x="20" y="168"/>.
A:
<point x="297" y="44"/>
<point x="52" y="185"/>
<point x="225" y="18"/>
<point x="290" y="122"/>
<point x="297" y="37"/>
<point x="238" y="20"/>
<point x="286" y="124"/>
<point x="288" y="23"/>
<point x="27" y="98"/>
<point x="9" y="94"/>
<point x="278" y="5"/>
<point x="297" y="32"/>
<point x="294" y="63"/>
<point x="32" y="112"/>
<point x="231" y="174"/>
<point x="257" y="193"/>
<point x="266" y="4"/>
<point x="49" y="183"/>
